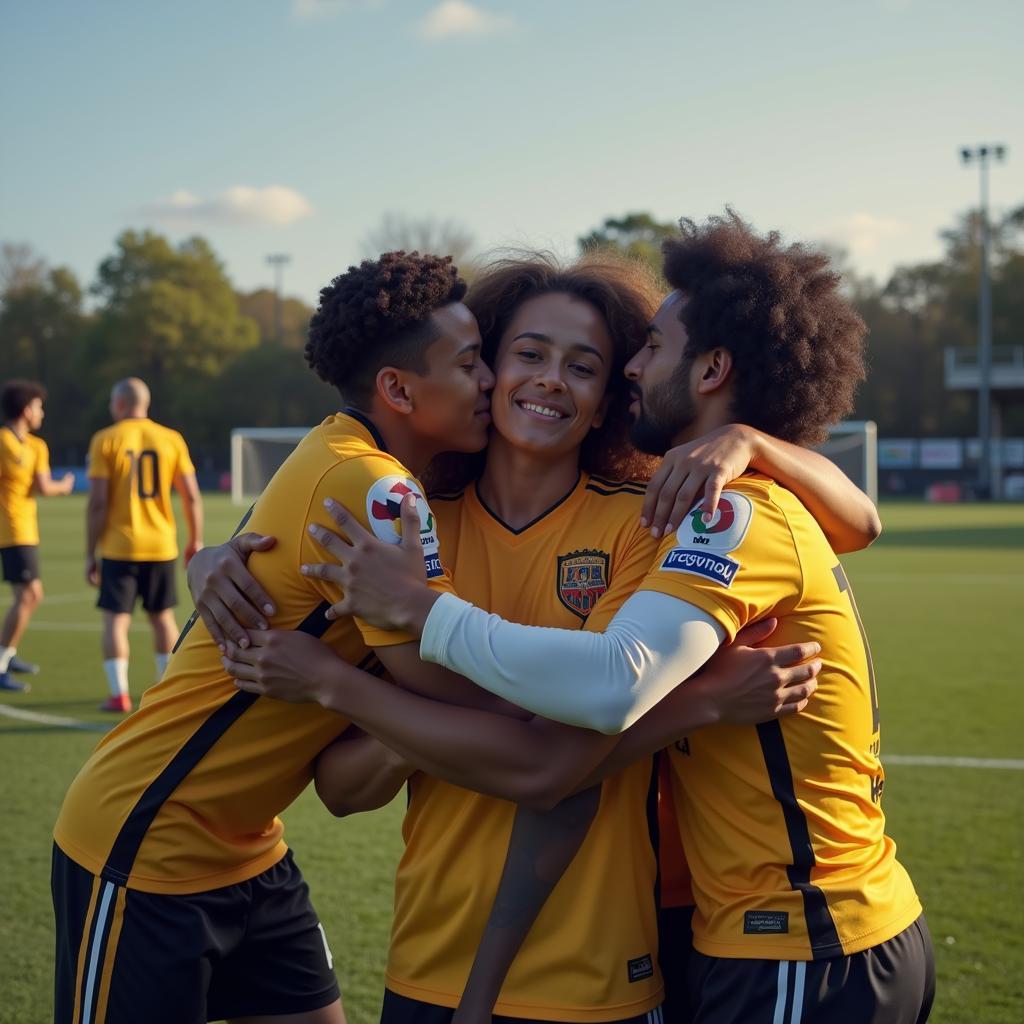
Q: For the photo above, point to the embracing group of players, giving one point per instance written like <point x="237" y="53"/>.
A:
<point x="568" y="672"/>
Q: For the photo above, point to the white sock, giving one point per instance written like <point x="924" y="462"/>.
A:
<point x="6" y="653"/>
<point x="161" y="665"/>
<point x="117" y="676"/>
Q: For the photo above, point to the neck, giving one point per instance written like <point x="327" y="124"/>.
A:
<point x="19" y="426"/>
<point x="412" y="451"/>
<point x="711" y="416"/>
<point x="518" y="487"/>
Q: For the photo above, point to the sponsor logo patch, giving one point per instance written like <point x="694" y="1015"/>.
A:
<point x="727" y="529"/>
<point x="384" y="511"/>
<point x="582" y="579"/>
<point x="717" y="568"/>
<point x="766" y="922"/>
<point x="640" y="968"/>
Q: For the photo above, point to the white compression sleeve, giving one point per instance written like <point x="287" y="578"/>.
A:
<point x="604" y="681"/>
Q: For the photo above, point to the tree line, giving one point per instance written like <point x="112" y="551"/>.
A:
<point x="215" y="359"/>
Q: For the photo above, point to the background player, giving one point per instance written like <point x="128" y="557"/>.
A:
<point x="130" y="520"/>
<point x="24" y="471"/>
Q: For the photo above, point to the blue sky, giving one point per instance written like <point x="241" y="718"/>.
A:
<point x="295" y="125"/>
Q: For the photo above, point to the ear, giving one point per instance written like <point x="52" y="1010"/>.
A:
<point x="602" y="412"/>
<point x="717" y="366"/>
<point x="393" y="388"/>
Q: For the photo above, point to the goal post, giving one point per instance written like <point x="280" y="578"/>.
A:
<point x="256" y="455"/>
<point x="853" y="446"/>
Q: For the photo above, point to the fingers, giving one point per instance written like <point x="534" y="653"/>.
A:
<point x="410" y="523"/>
<point x="685" y="500"/>
<point x="661" y="521"/>
<point x="336" y="545"/>
<point x="712" y="493"/>
<point x="331" y="571"/>
<point x="794" y="654"/>
<point x="246" y="543"/>
<point x="654" y="486"/>
<point x="349" y="525"/>
<point x="796" y="692"/>
<point x="756" y="633"/>
<point x="258" y="602"/>
<point x="227" y="620"/>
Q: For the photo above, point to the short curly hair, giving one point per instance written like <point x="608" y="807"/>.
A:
<point x="17" y="395"/>
<point x="378" y="314"/>
<point x="622" y="290"/>
<point x="797" y="344"/>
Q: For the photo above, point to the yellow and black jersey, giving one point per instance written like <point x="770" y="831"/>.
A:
<point x="782" y="823"/>
<point x="592" y="953"/>
<point x="21" y="461"/>
<point x="141" y="460"/>
<point x="183" y="795"/>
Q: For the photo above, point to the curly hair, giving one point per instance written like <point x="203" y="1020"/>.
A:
<point x="17" y="395"/>
<point x="797" y="344"/>
<point x="622" y="290"/>
<point x="378" y="314"/>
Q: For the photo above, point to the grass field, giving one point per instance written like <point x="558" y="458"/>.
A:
<point x="942" y="596"/>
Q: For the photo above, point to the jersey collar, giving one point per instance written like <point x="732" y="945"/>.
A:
<point x="355" y="414"/>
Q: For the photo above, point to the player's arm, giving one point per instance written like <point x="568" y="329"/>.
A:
<point x="700" y="470"/>
<point x="192" y="505"/>
<point x="358" y="773"/>
<point x="42" y="480"/>
<point x="95" y="520"/>
<point x="50" y="488"/>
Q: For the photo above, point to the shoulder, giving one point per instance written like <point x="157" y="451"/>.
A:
<point x="38" y="444"/>
<point x="621" y="489"/>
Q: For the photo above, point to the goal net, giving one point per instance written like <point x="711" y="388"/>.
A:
<point x="256" y="455"/>
<point x="853" y="447"/>
<point x="257" y="452"/>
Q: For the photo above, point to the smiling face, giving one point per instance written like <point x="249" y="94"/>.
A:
<point x="552" y="369"/>
<point x="663" y="406"/>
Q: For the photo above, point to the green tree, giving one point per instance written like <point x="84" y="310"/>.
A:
<point x="295" y="314"/>
<point x="636" y="234"/>
<point x="169" y="315"/>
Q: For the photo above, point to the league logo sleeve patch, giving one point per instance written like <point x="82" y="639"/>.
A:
<point x="384" y="511"/>
<point x="702" y="548"/>
<point x="582" y="579"/>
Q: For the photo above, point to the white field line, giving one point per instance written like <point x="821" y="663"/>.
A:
<point x="39" y="718"/>
<point x="914" y="760"/>
<point x="930" y="761"/>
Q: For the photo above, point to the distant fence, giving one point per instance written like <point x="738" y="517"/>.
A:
<point x="910" y="465"/>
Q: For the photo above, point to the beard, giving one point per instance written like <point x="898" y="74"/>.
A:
<point x="665" y="411"/>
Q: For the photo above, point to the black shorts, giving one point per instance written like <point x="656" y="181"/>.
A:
<point x="401" y="1010"/>
<point x="675" y="950"/>
<point x="242" y="950"/>
<point x="20" y="562"/>
<point x="121" y="583"/>
<point x="891" y="983"/>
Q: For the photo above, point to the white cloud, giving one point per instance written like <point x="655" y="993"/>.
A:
<point x="239" y="204"/>
<point x="460" y="18"/>
<point x="863" y="233"/>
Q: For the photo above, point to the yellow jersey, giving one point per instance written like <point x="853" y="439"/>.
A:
<point x="592" y="953"/>
<point x="21" y="461"/>
<point x="184" y="795"/>
<point x="782" y="822"/>
<point x="140" y="459"/>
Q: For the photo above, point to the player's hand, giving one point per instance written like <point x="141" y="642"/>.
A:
<point x="228" y="597"/>
<point x="92" y="572"/>
<point x="67" y="483"/>
<point x="190" y="550"/>
<point x="283" y="664"/>
<point x="748" y="684"/>
<point x="380" y="582"/>
<point x="696" y="471"/>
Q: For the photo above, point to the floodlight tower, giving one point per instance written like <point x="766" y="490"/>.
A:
<point x="278" y="260"/>
<point x="981" y="156"/>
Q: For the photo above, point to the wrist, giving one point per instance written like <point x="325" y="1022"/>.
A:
<point x="415" y="609"/>
<point x="704" y="708"/>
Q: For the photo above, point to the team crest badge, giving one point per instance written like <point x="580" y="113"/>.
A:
<point x="384" y="512"/>
<point x="582" y="579"/>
